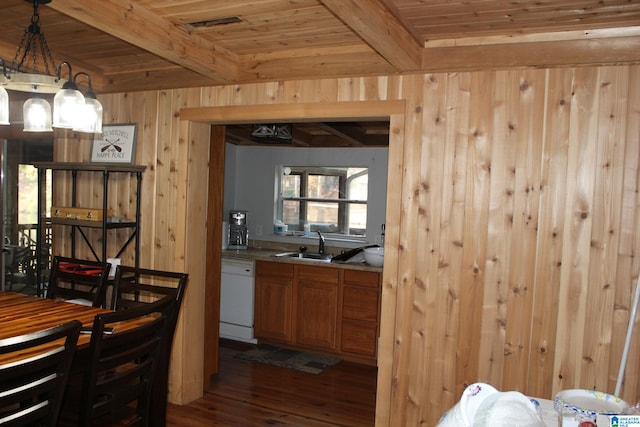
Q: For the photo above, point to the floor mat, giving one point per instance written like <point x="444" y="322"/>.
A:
<point x="291" y="359"/>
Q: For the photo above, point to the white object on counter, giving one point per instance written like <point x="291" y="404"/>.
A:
<point x="236" y="299"/>
<point x="280" y="229"/>
<point x="374" y="256"/>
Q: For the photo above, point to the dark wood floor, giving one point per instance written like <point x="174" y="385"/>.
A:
<point x="254" y="394"/>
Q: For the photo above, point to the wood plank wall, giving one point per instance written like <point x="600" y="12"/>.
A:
<point x="511" y="241"/>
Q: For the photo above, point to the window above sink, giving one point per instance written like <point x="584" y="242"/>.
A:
<point x="330" y="200"/>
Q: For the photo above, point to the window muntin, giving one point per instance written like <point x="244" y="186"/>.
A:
<point x="329" y="199"/>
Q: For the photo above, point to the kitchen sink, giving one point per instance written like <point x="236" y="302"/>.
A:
<point x="306" y="256"/>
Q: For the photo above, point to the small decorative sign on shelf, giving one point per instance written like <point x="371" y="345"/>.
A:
<point x="116" y="144"/>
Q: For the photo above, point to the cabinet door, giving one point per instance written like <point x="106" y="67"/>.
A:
<point x="317" y="307"/>
<point x="360" y="312"/>
<point x="273" y="301"/>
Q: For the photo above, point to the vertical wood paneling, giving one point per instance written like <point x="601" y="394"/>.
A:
<point x="512" y="225"/>
<point x="551" y="229"/>
<point x="348" y="89"/>
<point x="478" y="180"/>
<point x="500" y="227"/>
<point x="605" y="234"/>
<point x="530" y="103"/>
<point x="426" y="108"/>
<point x="628" y="263"/>
<point x="407" y="252"/>
<point x="577" y="240"/>
<point x="452" y="213"/>
<point x="434" y="125"/>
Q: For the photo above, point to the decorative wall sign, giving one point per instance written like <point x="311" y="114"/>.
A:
<point x="116" y="144"/>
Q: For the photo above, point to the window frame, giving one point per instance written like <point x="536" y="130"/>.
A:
<point x="343" y="203"/>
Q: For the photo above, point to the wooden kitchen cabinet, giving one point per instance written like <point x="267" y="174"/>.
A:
<point x="273" y="301"/>
<point x="317" y="306"/>
<point x="360" y="312"/>
<point x="311" y="307"/>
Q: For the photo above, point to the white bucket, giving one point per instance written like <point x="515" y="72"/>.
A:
<point x="463" y="412"/>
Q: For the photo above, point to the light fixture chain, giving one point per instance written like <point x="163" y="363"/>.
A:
<point x="47" y="58"/>
<point x="34" y="31"/>
<point x="15" y="65"/>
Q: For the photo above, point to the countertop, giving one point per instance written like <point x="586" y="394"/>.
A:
<point x="267" y="254"/>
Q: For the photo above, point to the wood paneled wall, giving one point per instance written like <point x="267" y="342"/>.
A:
<point x="512" y="228"/>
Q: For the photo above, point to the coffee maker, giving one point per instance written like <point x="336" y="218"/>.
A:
<point x="238" y="231"/>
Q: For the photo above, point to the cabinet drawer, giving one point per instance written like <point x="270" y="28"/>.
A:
<point x="362" y="278"/>
<point x="358" y="338"/>
<point x="360" y="304"/>
<point x="274" y="269"/>
<point x="314" y="273"/>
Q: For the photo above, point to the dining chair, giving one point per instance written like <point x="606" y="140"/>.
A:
<point x="79" y="281"/>
<point x="133" y="287"/>
<point x="20" y="273"/>
<point x="34" y="375"/>
<point x="122" y="363"/>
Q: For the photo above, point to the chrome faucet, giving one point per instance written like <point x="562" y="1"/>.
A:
<point x="320" y="242"/>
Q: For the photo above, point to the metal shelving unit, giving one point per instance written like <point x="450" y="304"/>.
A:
<point x="79" y="226"/>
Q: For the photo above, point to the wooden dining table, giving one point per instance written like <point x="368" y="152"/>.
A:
<point x="21" y="314"/>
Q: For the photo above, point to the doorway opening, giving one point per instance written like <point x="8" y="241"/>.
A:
<point x="20" y="210"/>
<point x="393" y="111"/>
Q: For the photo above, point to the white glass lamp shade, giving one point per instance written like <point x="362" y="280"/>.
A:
<point x="4" y="106"/>
<point x="37" y="115"/>
<point x="89" y="118"/>
<point x="66" y="106"/>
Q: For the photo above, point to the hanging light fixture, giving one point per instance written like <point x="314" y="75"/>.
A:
<point x="89" y="118"/>
<point x="71" y="110"/>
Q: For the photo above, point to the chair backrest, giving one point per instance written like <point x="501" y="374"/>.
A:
<point x="20" y="267"/>
<point x="123" y="364"/>
<point x="32" y="387"/>
<point x="138" y="286"/>
<point x="78" y="280"/>
<point x="21" y="258"/>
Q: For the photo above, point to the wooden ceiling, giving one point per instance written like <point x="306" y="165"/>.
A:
<point x="333" y="134"/>
<point x="129" y="45"/>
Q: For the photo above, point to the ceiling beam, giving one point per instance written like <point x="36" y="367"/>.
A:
<point x="263" y="68"/>
<point x="378" y="24"/>
<point x="571" y="53"/>
<point x="335" y="132"/>
<point x="146" y="30"/>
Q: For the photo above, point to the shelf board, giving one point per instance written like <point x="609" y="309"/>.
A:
<point x="100" y="167"/>
<point x="90" y="224"/>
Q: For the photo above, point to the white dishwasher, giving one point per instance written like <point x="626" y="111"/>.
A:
<point x="236" y="299"/>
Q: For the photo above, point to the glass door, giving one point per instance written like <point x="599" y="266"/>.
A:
<point x="19" y="184"/>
